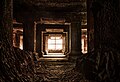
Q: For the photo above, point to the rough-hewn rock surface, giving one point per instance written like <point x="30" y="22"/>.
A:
<point x="100" y="66"/>
<point x="53" y="71"/>
<point x="16" y="65"/>
<point x="106" y="57"/>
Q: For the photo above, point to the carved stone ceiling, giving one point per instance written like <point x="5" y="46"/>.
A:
<point x="52" y="8"/>
<point x="56" y="5"/>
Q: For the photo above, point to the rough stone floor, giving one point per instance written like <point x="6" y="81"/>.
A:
<point x="52" y="71"/>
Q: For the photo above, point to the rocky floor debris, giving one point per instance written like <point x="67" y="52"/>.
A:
<point x="53" y="71"/>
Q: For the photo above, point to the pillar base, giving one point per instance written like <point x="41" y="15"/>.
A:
<point x="74" y="55"/>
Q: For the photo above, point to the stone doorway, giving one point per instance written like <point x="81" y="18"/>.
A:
<point x="55" y="42"/>
<point x="54" y="45"/>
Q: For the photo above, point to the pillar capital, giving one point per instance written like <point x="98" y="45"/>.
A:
<point x="74" y="17"/>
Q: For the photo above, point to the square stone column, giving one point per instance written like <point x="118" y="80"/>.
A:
<point x="90" y="26"/>
<point x="28" y="35"/>
<point x="76" y="37"/>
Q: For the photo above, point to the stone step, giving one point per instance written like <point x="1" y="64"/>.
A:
<point x="53" y="59"/>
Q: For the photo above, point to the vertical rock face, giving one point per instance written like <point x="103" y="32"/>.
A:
<point x="107" y="23"/>
<point x="6" y="20"/>
<point x="104" y="62"/>
<point x="15" y="65"/>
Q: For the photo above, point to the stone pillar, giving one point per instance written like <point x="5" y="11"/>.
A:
<point x="39" y="29"/>
<point x="28" y="35"/>
<point x="96" y="7"/>
<point x="90" y="26"/>
<point x="6" y="16"/>
<point x="75" y="36"/>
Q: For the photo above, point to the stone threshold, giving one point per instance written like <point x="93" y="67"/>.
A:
<point x="53" y="59"/>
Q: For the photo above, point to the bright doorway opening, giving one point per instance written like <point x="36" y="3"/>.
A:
<point x="55" y="46"/>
